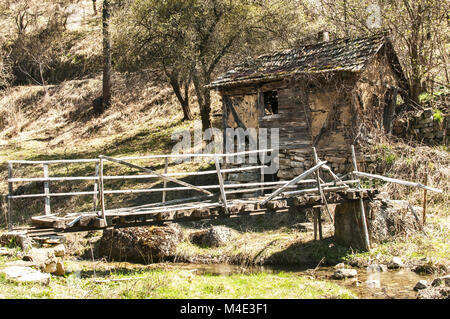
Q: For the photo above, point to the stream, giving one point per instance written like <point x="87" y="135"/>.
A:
<point x="397" y="284"/>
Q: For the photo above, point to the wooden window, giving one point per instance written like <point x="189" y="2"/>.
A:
<point x="270" y="102"/>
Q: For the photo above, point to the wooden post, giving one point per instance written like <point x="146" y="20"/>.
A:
<point x="46" y="191"/>
<point x="319" y="221"/>
<point x="102" y="195"/>
<point x="166" y="167"/>
<point x="222" y="189"/>
<point x="424" y="218"/>
<point x="322" y="195"/>
<point x="95" y="199"/>
<point x="361" y="205"/>
<point x="315" y="223"/>
<point x="262" y="173"/>
<point x="10" y="193"/>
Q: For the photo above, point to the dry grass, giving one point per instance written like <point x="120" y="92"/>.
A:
<point x="412" y="163"/>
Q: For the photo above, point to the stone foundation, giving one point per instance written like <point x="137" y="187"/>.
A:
<point x="423" y="127"/>
<point x="386" y="219"/>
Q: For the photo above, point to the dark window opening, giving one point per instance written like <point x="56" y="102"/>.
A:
<point x="271" y="102"/>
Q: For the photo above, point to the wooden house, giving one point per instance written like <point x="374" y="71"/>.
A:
<point x="329" y="95"/>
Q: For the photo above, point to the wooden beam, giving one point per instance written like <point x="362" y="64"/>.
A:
<point x="397" y="181"/>
<point x="46" y="191"/>
<point x="222" y="189"/>
<point x="10" y="194"/>
<point x="166" y="167"/>
<point x="322" y="196"/>
<point x="95" y="199"/>
<point x="102" y="192"/>
<point x="292" y="182"/>
<point x="153" y="172"/>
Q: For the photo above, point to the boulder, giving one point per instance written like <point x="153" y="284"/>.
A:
<point x="396" y="263"/>
<point x="25" y="275"/>
<point x="434" y="293"/>
<point x="441" y="281"/>
<point x="60" y="271"/>
<point x="6" y="251"/>
<point x="339" y="266"/>
<point x="140" y="244"/>
<point x="303" y="227"/>
<point x="376" y="268"/>
<point x="49" y="267"/>
<point x="421" y="284"/>
<point x="59" y="250"/>
<point x="213" y="237"/>
<point x="345" y="273"/>
<point x="15" y="238"/>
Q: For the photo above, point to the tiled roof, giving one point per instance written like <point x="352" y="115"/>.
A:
<point x="338" y="55"/>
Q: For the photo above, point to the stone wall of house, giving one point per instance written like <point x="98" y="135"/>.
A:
<point x="423" y="127"/>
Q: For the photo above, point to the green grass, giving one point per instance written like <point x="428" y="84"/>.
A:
<point x="432" y="248"/>
<point x="179" y="284"/>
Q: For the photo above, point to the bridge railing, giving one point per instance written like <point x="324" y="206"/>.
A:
<point x="98" y="191"/>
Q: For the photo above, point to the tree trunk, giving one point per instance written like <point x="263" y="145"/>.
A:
<point x="184" y="101"/>
<point x="106" y="57"/>
<point x="204" y="101"/>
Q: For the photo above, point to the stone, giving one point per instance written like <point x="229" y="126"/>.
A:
<point x="303" y="227"/>
<point x="434" y="293"/>
<point x="373" y="283"/>
<point x="339" y="266"/>
<point x="60" y="271"/>
<point x="376" y="268"/>
<point x="16" y="238"/>
<point x="50" y="267"/>
<point x="215" y="236"/>
<point x="441" y="281"/>
<point x="25" y="275"/>
<point x="299" y="158"/>
<point x="395" y="263"/>
<point x="421" y="284"/>
<point x="297" y="164"/>
<point x="59" y="250"/>
<point x="6" y="251"/>
<point x="298" y="171"/>
<point x="139" y="244"/>
<point x="345" y="273"/>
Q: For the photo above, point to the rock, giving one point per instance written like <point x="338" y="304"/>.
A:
<point x="51" y="240"/>
<point x="434" y="293"/>
<point x="139" y="244"/>
<point x="345" y="273"/>
<point x="60" y="271"/>
<point x="6" y="251"/>
<point x="376" y="268"/>
<point x="59" y="250"/>
<point x="50" y="267"/>
<point x="25" y="275"/>
<point x="213" y="237"/>
<point x="303" y="227"/>
<point x="395" y="263"/>
<point x="12" y="239"/>
<point x="421" y="284"/>
<point x="39" y="256"/>
<point x="441" y="281"/>
<point x="339" y="266"/>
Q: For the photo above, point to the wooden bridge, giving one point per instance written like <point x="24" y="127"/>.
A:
<point x="212" y="202"/>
